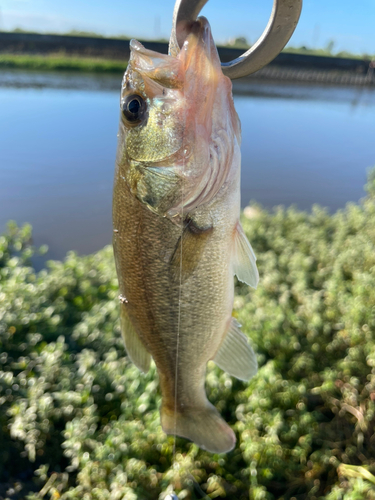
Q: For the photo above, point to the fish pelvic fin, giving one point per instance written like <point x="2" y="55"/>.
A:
<point x="245" y="267"/>
<point x="204" y="426"/>
<point x="236" y="355"/>
<point x="133" y="344"/>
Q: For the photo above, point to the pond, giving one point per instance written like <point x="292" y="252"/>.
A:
<point x="302" y="144"/>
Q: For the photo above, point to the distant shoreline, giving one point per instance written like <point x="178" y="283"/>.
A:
<point x="110" y="55"/>
<point x="58" y="62"/>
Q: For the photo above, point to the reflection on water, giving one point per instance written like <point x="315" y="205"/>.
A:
<point x="301" y="144"/>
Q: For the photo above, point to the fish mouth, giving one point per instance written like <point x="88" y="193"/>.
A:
<point x="198" y="54"/>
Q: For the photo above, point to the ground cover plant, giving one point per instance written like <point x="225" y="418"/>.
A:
<point x="61" y="62"/>
<point x="78" y="421"/>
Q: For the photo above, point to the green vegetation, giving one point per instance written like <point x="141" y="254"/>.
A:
<point x="78" y="421"/>
<point x="63" y="62"/>
<point x="90" y="34"/>
<point x="50" y="61"/>
<point x="242" y="43"/>
<point x="326" y="53"/>
<point x="58" y="62"/>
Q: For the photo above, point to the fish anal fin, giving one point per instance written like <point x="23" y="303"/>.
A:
<point x="133" y="344"/>
<point x="245" y="267"/>
<point x="189" y="250"/>
<point x="204" y="426"/>
<point x="235" y="355"/>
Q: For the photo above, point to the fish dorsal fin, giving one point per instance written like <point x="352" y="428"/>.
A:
<point x="235" y="355"/>
<point x="245" y="267"/>
<point x="134" y="347"/>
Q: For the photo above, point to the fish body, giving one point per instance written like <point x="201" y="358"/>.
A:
<point x="177" y="236"/>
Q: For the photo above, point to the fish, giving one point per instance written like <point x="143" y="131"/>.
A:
<point x="178" y="240"/>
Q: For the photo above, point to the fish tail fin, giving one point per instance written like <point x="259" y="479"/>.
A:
<point x="203" y="426"/>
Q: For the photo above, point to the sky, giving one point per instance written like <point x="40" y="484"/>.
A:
<point x="349" y="23"/>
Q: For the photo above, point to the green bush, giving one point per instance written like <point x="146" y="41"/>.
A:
<point x="78" y="421"/>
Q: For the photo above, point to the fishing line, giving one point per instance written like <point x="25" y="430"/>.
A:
<point x="178" y="341"/>
<point x="179" y="308"/>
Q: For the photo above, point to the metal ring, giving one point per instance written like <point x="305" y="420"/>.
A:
<point x="281" y="25"/>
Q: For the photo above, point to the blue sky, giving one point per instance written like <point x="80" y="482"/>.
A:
<point x="350" y="23"/>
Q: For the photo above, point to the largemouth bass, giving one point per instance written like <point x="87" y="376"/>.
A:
<point x="177" y="237"/>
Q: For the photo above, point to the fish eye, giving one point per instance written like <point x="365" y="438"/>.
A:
<point x="133" y="109"/>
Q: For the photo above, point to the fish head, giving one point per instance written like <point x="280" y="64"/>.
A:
<point x="151" y="106"/>
<point x="179" y="131"/>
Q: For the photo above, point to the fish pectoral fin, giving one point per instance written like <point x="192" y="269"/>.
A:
<point x="134" y="347"/>
<point x="189" y="250"/>
<point x="245" y="267"/>
<point x="235" y="355"/>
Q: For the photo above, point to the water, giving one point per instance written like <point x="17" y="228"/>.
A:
<point x="301" y="145"/>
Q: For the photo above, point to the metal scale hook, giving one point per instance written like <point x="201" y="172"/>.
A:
<point x="281" y="25"/>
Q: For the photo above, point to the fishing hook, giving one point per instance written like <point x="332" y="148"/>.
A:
<point x="281" y="25"/>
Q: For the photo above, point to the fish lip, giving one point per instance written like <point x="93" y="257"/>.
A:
<point x="198" y="34"/>
<point x="135" y="45"/>
<point x="187" y="28"/>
